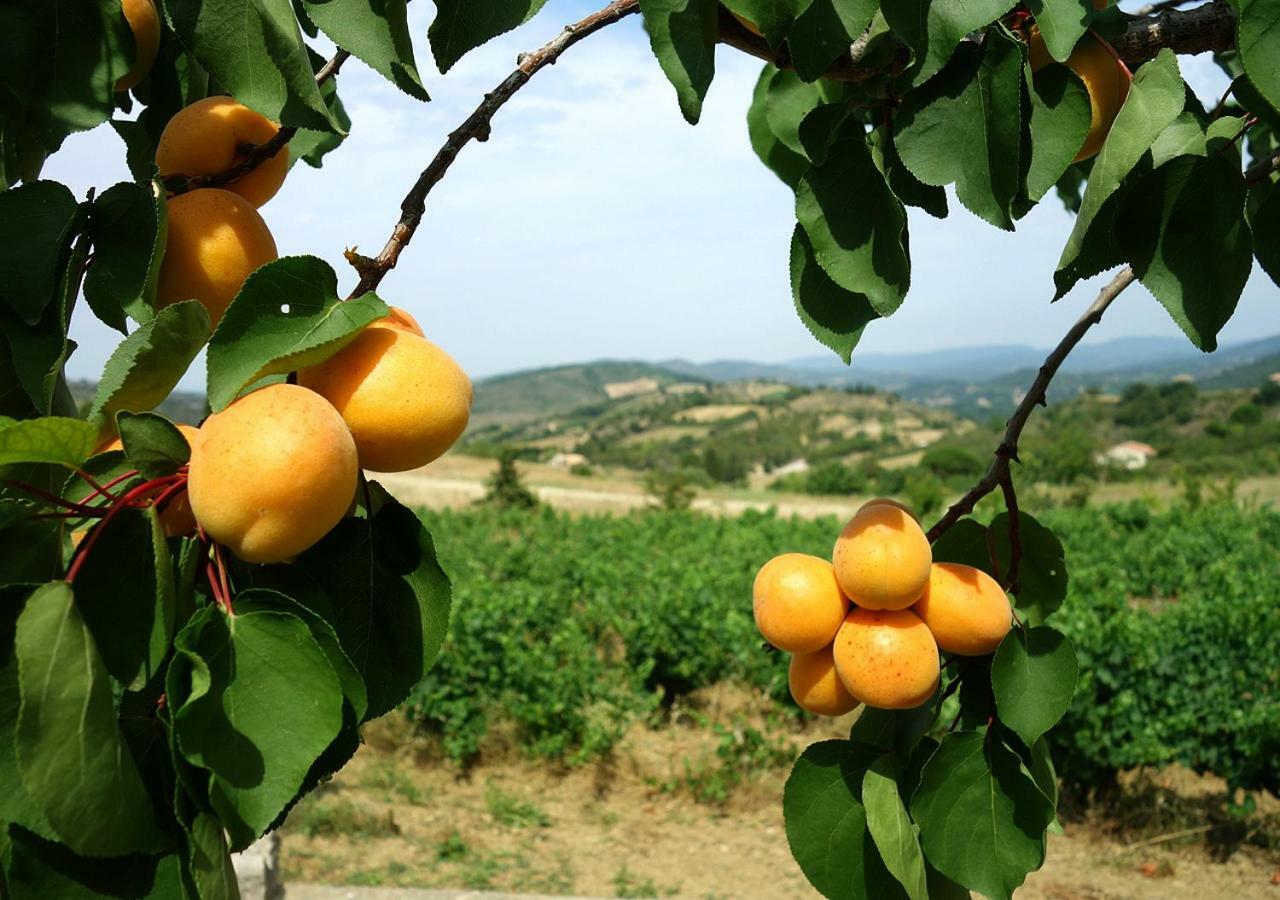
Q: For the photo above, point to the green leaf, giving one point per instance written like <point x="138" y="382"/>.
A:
<point x="1060" y="115"/>
<point x="1042" y="570"/>
<point x="125" y="592"/>
<point x="36" y="221"/>
<point x="31" y="550"/>
<point x="1258" y="41"/>
<point x="964" y="542"/>
<point x="982" y="820"/>
<point x="1155" y="99"/>
<point x="61" y="60"/>
<point x="153" y="444"/>
<point x="682" y="34"/>
<point x="823" y="32"/>
<point x="834" y="316"/>
<point x="1033" y="677"/>
<point x="254" y="51"/>
<point x="312" y="146"/>
<point x="376" y="31"/>
<point x="127" y="224"/>
<point x="934" y="28"/>
<point x="788" y="102"/>
<point x="261" y="704"/>
<point x="1162" y="226"/>
<point x="206" y="861"/>
<point x="904" y="184"/>
<point x="73" y="760"/>
<point x="891" y="828"/>
<point x="1264" y="221"/>
<point x="1062" y="23"/>
<point x="146" y="366"/>
<point x="965" y="127"/>
<point x="258" y="599"/>
<point x="16" y="804"/>
<point x="772" y="18"/>
<point x="827" y="823"/>
<point x="55" y="440"/>
<point x="40" y="868"/>
<point x="784" y="162"/>
<point x="287" y="316"/>
<point x="463" y="25"/>
<point x="856" y="225"/>
<point x="899" y="730"/>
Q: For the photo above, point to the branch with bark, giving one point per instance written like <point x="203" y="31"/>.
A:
<point x="1211" y="26"/>
<point x="475" y="128"/>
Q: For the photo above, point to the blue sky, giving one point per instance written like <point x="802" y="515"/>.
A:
<point x="595" y="223"/>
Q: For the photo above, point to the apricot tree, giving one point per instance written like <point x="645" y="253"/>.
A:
<point x="196" y="622"/>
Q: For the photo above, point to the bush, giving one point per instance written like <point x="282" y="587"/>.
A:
<point x="834" y="478"/>
<point x="948" y="461"/>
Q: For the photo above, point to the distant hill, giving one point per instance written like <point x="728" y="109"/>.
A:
<point x="533" y="394"/>
<point x="1249" y="375"/>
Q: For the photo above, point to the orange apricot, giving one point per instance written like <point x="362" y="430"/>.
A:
<point x="216" y="240"/>
<point x="405" y="400"/>
<point x="965" y="609"/>
<point x="888" y="501"/>
<point x="1105" y="78"/>
<point x="797" y="604"/>
<point x="399" y="318"/>
<point x="208" y="138"/>
<point x="882" y="558"/>
<point x="144" y="22"/>
<point x="272" y="473"/>
<point x="887" y="658"/>
<point x="816" y="687"/>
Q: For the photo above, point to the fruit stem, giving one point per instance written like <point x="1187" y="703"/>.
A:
<point x="54" y="499"/>
<point x="129" y="500"/>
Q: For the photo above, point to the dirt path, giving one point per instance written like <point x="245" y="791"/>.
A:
<point x="645" y="823"/>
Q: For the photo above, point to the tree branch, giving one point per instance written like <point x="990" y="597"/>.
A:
<point x="1211" y="26"/>
<point x="254" y="154"/>
<point x="476" y="127"/>
<point x="1036" y="395"/>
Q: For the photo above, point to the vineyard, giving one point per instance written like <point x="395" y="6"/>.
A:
<point x="569" y="629"/>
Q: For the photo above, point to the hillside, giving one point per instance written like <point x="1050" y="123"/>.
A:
<point x="520" y="396"/>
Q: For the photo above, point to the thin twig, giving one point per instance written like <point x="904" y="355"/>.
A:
<point x="476" y="127"/>
<point x="254" y="154"/>
<point x="1221" y="105"/>
<point x="1036" y="396"/>
<point x="1011" y="583"/>
<point x="1171" y="836"/>
<point x="1262" y="168"/>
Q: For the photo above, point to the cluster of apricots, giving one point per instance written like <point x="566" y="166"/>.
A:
<point x="278" y="468"/>
<point x="867" y="626"/>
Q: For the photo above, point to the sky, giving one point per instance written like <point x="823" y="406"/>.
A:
<point x="595" y="223"/>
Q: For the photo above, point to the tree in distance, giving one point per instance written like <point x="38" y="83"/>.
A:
<point x="216" y="239"/>
<point x="887" y="658"/>
<point x="208" y="137"/>
<point x="144" y="22"/>
<point x="272" y="473"/>
<point x="816" y="686"/>
<point x="798" y="605"/>
<point x="882" y="558"/>
<point x="965" y="609"/>
<point x="405" y="400"/>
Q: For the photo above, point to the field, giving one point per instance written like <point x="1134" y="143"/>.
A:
<point x="604" y="719"/>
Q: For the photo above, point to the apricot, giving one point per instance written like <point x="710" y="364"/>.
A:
<point x="209" y="137"/>
<point x="747" y="24"/>
<point x="405" y="400"/>
<point x="144" y="22"/>
<point x="816" y="687"/>
<point x="216" y="239"/>
<point x="176" y="517"/>
<point x="886" y="658"/>
<point x="272" y="473"/>
<point x="1105" y="78"/>
<point x="888" y="501"/>
<point x="399" y="318"/>
<point x="882" y="558"/>
<point x="797" y="604"/>
<point x="965" y="609"/>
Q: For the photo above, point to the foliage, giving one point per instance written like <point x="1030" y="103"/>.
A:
<point x="506" y="488"/>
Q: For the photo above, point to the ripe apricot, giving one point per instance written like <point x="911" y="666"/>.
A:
<point x="399" y="318"/>
<point x="216" y="239"/>
<point x="797" y="604"/>
<point x="965" y="609"/>
<point x="888" y="501"/>
<point x="177" y="518"/>
<point x="208" y="137"/>
<point x="144" y="22"/>
<point x="882" y="558"/>
<point x="816" y="687"/>
<point x="272" y="473"/>
<point x="1105" y="78"/>
<point x="405" y="400"/>
<point x="886" y="658"/>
